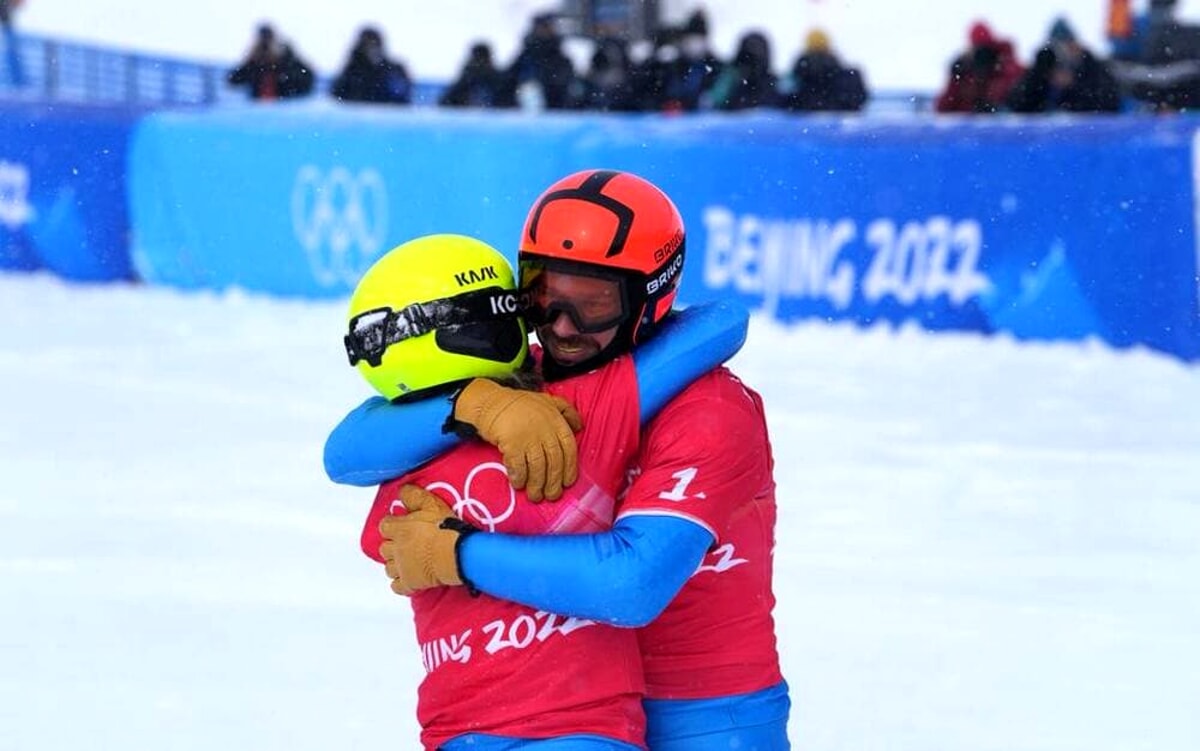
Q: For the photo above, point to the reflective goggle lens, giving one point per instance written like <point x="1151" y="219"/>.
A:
<point x="594" y="302"/>
<point x="368" y="338"/>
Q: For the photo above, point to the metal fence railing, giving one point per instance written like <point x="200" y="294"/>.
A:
<point x="56" y="70"/>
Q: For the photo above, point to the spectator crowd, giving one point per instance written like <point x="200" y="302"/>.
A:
<point x="676" y="71"/>
<point x="1155" y="65"/>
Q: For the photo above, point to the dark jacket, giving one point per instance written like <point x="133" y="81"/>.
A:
<point x="820" y="83"/>
<point x="687" y="81"/>
<point x="747" y="82"/>
<point x="1092" y="87"/>
<point x="542" y="62"/>
<point x="274" y="74"/>
<point x="609" y="84"/>
<point x="981" y="79"/>
<point x="479" y="84"/>
<point x="367" y="80"/>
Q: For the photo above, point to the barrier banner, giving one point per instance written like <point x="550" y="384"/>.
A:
<point x="1041" y="227"/>
<point x="300" y="201"/>
<point x="62" y="190"/>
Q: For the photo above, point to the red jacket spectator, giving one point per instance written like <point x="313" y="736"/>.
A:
<point x="982" y="76"/>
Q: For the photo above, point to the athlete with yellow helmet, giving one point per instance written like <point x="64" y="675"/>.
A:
<point x="425" y="320"/>
<point x="434" y="312"/>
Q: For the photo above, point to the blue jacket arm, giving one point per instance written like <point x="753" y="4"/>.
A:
<point x="693" y="341"/>
<point x="624" y="577"/>
<point x="379" y="441"/>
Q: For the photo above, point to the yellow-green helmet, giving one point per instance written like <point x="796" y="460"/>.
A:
<point x="432" y="312"/>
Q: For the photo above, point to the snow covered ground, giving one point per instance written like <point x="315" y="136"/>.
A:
<point x="981" y="545"/>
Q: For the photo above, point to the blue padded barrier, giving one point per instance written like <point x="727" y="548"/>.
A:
<point x="62" y="190"/>
<point x="1045" y="228"/>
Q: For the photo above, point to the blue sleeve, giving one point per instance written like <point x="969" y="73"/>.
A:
<point x="380" y="441"/>
<point x="624" y="577"/>
<point x="692" y="342"/>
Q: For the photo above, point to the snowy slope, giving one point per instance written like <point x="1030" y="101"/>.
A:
<point x="981" y="545"/>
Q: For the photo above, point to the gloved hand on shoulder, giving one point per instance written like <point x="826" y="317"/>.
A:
<point x="535" y="433"/>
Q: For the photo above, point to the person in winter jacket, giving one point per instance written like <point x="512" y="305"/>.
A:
<point x="687" y="79"/>
<point x="272" y="69"/>
<point x="369" y="76"/>
<point x="1065" y="77"/>
<point x="748" y="81"/>
<point x="479" y="84"/>
<point x="982" y="76"/>
<point x="543" y="76"/>
<point x="821" y="83"/>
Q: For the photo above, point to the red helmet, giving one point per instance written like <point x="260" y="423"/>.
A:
<point x="612" y="225"/>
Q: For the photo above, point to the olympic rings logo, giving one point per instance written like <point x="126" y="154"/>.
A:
<point x="340" y="219"/>
<point x="466" y="505"/>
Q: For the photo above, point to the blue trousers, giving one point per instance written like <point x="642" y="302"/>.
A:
<point x="480" y="742"/>
<point x="747" y="722"/>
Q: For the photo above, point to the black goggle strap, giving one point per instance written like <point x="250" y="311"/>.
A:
<point x="373" y="331"/>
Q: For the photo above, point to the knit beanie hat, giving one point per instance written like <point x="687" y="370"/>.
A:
<point x="816" y="41"/>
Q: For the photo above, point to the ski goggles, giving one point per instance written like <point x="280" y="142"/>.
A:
<point x="476" y="323"/>
<point x="592" y="299"/>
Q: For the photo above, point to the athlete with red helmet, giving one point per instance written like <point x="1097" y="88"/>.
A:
<point x="428" y="316"/>
<point x="689" y="560"/>
<point x="612" y="270"/>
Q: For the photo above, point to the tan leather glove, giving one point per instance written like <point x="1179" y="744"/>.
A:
<point x="535" y="433"/>
<point x="419" y="547"/>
